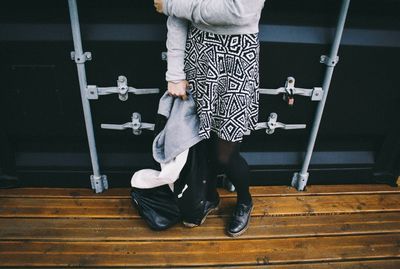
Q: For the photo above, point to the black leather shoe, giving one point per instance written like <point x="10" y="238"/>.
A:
<point x="240" y="220"/>
<point x="208" y="208"/>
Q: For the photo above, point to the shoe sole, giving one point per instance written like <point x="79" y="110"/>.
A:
<point x="244" y="229"/>
<point x="192" y="225"/>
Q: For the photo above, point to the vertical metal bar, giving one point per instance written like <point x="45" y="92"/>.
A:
<point x="99" y="182"/>
<point x="300" y="179"/>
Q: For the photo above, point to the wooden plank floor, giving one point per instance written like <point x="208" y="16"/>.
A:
<point x="341" y="226"/>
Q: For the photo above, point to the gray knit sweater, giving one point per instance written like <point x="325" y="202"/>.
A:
<point x="216" y="16"/>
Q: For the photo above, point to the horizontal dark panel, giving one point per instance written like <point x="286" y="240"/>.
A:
<point x="157" y="32"/>
<point x="121" y="178"/>
<point x="39" y="159"/>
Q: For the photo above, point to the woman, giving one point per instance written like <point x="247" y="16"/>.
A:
<point x="213" y="49"/>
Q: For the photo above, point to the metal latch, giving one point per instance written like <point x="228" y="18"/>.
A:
<point x="288" y="96"/>
<point x="290" y="90"/>
<point x="136" y="124"/>
<point x="273" y="124"/>
<point x="122" y="89"/>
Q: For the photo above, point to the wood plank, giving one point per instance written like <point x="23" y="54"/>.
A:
<point x="360" y="264"/>
<point x="115" y="193"/>
<point x="365" y="264"/>
<point x="264" y="206"/>
<point x="333" y="204"/>
<point x="64" y="203"/>
<point x="213" y="228"/>
<point x="255" y="190"/>
<point x="193" y="253"/>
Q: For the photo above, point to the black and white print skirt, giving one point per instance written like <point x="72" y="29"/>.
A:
<point x="223" y="74"/>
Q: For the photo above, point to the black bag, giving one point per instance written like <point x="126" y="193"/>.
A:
<point x="191" y="186"/>
<point x="157" y="206"/>
<point x="160" y="207"/>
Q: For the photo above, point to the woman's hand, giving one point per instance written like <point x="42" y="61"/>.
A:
<point x="178" y="89"/>
<point x="159" y="4"/>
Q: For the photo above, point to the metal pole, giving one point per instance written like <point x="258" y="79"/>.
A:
<point x="300" y="179"/>
<point x="98" y="182"/>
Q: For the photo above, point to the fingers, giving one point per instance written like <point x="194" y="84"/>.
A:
<point x="178" y="89"/>
<point x="158" y="4"/>
<point x="184" y="97"/>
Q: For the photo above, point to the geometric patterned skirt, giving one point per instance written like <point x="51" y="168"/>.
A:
<point x="223" y="76"/>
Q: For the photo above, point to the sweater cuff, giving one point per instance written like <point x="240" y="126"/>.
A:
<point x="175" y="77"/>
<point x="175" y="68"/>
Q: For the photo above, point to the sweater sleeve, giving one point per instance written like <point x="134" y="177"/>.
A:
<point x="214" y="12"/>
<point x="176" y="42"/>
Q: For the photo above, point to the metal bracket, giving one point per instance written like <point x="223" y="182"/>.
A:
<point x="81" y="58"/>
<point x="164" y="56"/>
<point x="122" y="89"/>
<point x="136" y="124"/>
<point x="315" y="93"/>
<point x="299" y="181"/>
<point x="99" y="184"/>
<point x="91" y="92"/>
<point x="329" y="61"/>
<point x="273" y="124"/>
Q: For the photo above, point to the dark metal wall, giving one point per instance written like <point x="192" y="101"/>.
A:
<point x="41" y="123"/>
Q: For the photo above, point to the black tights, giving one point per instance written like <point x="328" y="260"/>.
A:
<point x="225" y="154"/>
